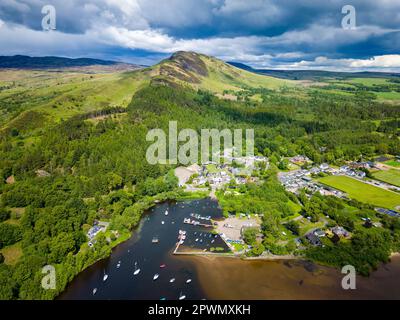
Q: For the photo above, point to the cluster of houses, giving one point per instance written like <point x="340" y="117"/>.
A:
<point x="294" y="181"/>
<point x="300" y="160"/>
<point x="334" y="234"/>
<point x="216" y="175"/>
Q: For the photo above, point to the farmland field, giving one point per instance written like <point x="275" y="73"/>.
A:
<point x="393" y="163"/>
<point x="389" y="176"/>
<point x="363" y="192"/>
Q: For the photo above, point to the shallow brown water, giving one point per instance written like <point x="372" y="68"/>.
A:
<point x="230" y="278"/>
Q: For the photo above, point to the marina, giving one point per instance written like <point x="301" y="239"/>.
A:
<point x="185" y="264"/>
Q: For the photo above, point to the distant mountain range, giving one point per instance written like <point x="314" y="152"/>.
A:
<point x="26" y="62"/>
<point x="50" y="62"/>
<point x="314" y="74"/>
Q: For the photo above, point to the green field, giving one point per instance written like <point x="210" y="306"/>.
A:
<point x="393" y="163"/>
<point x="363" y="192"/>
<point x="389" y="176"/>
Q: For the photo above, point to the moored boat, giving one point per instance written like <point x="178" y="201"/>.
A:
<point x="137" y="270"/>
<point x="182" y="296"/>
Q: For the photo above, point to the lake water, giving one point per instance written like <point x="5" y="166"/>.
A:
<point x="213" y="277"/>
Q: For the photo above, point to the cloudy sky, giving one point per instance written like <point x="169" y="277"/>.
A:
<point x="279" y="34"/>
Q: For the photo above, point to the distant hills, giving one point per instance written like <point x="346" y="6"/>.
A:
<point x="313" y="74"/>
<point x="186" y="66"/>
<point x="26" y="62"/>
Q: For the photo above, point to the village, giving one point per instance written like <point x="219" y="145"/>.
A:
<point x="300" y="179"/>
<point x="302" y="176"/>
<point x="215" y="175"/>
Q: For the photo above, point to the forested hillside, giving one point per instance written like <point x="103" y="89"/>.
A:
<point x="73" y="151"/>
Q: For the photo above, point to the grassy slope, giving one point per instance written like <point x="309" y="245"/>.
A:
<point x="59" y="95"/>
<point x="363" y="192"/>
<point x="224" y="77"/>
<point x="12" y="253"/>
<point x="220" y="76"/>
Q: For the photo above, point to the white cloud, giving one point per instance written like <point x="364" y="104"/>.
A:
<point x="388" y="63"/>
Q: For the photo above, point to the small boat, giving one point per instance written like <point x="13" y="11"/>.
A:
<point x="162" y="222"/>
<point x="163" y="298"/>
<point x="212" y="241"/>
<point x="156" y="276"/>
<point x="172" y="280"/>
<point x="188" y="280"/>
<point x="137" y="270"/>
<point x="163" y="265"/>
<point x="118" y="264"/>
<point x="182" y="296"/>
<point x="105" y="277"/>
<point x="94" y="291"/>
<point x="197" y="239"/>
<point x="154" y="240"/>
<point x="166" y="212"/>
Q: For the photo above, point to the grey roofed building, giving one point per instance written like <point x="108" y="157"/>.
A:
<point x="340" y="231"/>
<point x="313" y="239"/>
<point x="319" y="233"/>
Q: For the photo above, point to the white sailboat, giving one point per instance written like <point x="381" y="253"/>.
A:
<point x="137" y="270"/>
<point x="182" y="296"/>
<point x="94" y="291"/>
<point x="156" y="276"/>
<point x="188" y="280"/>
<point x="172" y="280"/>
<point x="105" y="277"/>
<point x="118" y="264"/>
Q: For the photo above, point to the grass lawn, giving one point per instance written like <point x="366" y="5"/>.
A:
<point x="389" y="176"/>
<point x="306" y="226"/>
<point x="238" y="246"/>
<point x="211" y="168"/>
<point x="393" y="163"/>
<point x="12" y="253"/>
<point x="363" y="192"/>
